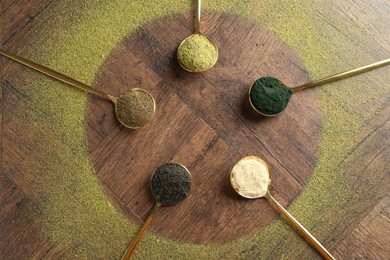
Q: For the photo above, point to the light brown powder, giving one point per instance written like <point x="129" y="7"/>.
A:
<point x="135" y="108"/>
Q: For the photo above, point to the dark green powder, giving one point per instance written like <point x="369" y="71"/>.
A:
<point x="170" y="183"/>
<point x="269" y="95"/>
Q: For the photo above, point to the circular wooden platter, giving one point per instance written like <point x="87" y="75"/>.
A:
<point x="203" y="121"/>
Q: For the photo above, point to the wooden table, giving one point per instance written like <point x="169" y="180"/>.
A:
<point x="56" y="161"/>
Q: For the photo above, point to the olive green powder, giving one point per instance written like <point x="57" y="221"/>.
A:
<point x="135" y="108"/>
<point x="170" y="183"/>
<point x="197" y="53"/>
<point x="269" y="95"/>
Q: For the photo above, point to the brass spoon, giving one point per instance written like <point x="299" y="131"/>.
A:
<point x="122" y="109"/>
<point x="284" y="92"/>
<point x="170" y="184"/>
<point x="254" y="183"/>
<point x="192" y="60"/>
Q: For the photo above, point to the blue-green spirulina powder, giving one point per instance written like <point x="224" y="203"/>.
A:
<point x="269" y="95"/>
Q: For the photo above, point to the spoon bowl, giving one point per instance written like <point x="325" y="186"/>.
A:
<point x="134" y="108"/>
<point x="269" y="96"/>
<point x="197" y="53"/>
<point x="170" y="184"/>
<point x="250" y="178"/>
<point x="250" y="184"/>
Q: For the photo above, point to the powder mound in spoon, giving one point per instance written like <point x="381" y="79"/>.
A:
<point x="135" y="108"/>
<point x="269" y="95"/>
<point x="170" y="183"/>
<point x="250" y="178"/>
<point x="197" y="53"/>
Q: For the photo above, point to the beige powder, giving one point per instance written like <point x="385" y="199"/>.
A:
<point x="250" y="177"/>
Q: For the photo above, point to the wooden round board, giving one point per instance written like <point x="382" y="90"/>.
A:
<point x="58" y="177"/>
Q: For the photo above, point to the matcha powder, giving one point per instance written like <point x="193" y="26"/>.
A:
<point x="197" y="53"/>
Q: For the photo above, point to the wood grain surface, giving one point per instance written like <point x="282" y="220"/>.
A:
<point x="204" y="122"/>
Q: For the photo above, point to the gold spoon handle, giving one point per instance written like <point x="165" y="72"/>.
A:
<point x="309" y="237"/>
<point x="197" y="17"/>
<point x="130" y="250"/>
<point x="55" y="74"/>
<point x="343" y="75"/>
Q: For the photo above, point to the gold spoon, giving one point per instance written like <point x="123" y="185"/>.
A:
<point x="265" y="104"/>
<point x="197" y="53"/>
<point x="170" y="184"/>
<point x="124" y="104"/>
<point x="250" y="178"/>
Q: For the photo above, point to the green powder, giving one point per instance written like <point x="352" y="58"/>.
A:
<point x="269" y="96"/>
<point x="135" y="108"/>
<point x="170" y="183"/>
<point x="197" y="53"/>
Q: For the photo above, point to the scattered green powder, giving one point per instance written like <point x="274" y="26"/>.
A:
<point x="170" y="183"/>
<point x="269" y="95"/>
<point x="197" y="53"/>
<point x="74" y="207"/>
<point x="135" y="108"/>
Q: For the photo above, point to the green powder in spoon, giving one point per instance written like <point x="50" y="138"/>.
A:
<point x="269" y="96"/>
<point x="197" y="53"/>
<point x="170" y="183"/>
<point x="135" y="108"/>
